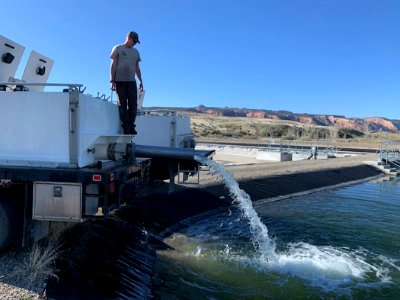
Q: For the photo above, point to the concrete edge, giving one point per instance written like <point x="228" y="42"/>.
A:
<point x="324" y="188"/>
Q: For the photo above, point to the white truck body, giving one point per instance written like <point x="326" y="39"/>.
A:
<point x="36" y="128"/>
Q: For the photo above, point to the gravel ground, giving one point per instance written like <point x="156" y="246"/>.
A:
<point x="15" y="283"/>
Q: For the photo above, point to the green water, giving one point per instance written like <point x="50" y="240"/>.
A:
<point x="338" y="244"/>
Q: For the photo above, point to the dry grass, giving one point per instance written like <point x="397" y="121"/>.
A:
<point x="39" y="264"/>
<point x="41" y="261"/>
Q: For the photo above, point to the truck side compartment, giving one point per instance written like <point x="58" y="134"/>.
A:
<point x="30" y="198"/>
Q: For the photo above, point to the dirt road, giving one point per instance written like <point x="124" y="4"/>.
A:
<point x="246" y="167"/>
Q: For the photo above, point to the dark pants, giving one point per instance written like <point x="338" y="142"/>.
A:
<point x="127" y="102"/>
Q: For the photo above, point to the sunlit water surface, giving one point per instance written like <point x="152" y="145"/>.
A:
<point x="338" y="244"/>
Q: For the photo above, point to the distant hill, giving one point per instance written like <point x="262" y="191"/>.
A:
<point x="370" y="124"/>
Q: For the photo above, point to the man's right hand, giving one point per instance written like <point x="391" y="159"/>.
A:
<point x="113" y="86"/>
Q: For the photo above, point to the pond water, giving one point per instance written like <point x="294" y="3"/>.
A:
<point x="337" y="244"/>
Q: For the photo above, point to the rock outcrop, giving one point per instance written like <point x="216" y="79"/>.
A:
<point x="370" y="124"/>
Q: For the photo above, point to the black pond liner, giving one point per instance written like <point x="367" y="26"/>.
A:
<point x="113" y="257"/>
<point x="103" y="259"/>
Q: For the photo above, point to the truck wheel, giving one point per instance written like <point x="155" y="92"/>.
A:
<point x="8" y="214"/>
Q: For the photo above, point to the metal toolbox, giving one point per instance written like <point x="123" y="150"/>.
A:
<point x="57" y="201"/>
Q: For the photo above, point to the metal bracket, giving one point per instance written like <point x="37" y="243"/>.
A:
<point x="73" y="122"/>
<point x="172" y="132"/>
<point x="186" y="173"/>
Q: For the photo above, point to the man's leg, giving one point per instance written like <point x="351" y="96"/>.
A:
<point x="121" y="89"/>
<point x="132" y="106"/>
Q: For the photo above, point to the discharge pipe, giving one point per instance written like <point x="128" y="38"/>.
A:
<point x="118" y="151"/>
<point x="163" y="152"/>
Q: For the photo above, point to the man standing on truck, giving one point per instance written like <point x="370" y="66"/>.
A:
<point x="124" y="65"/>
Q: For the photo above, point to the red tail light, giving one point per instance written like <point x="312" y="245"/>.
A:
<point x="96" y="177"/>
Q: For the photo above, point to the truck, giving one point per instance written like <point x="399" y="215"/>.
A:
<point x="63" y="157"/>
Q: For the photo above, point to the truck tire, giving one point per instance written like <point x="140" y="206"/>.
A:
<point x="8" y="215"/>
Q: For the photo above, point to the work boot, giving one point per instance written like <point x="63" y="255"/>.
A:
<point x="126" y="130"/>
<point x="132" y="130"/>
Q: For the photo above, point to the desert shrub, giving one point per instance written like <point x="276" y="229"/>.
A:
<point x="288" y="137"/>
<point x="348" y="133"/>
<point x="314" y="133"/>
<point x="277" y="130"/>
<point x="216" y="132"/>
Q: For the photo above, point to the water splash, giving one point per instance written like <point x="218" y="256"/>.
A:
<point x="332" y="268"/>
<point x="261" y="240"/>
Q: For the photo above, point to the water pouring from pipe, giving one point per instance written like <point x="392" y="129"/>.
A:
<point x="261" y="240"/>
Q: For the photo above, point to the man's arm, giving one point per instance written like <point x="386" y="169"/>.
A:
<point x="139" y="76"/>
<point x="113" y="69"/>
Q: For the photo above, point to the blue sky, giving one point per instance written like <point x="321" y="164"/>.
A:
<point x="306" y="56"/>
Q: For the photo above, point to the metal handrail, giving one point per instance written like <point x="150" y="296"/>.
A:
<point x="42" y="84"/>
<point x="390" y="151"/>
<point x="324" y="146"/>
<point x="76" y="86"/>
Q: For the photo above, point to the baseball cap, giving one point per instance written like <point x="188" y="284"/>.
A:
<point x="134" y="36"/>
